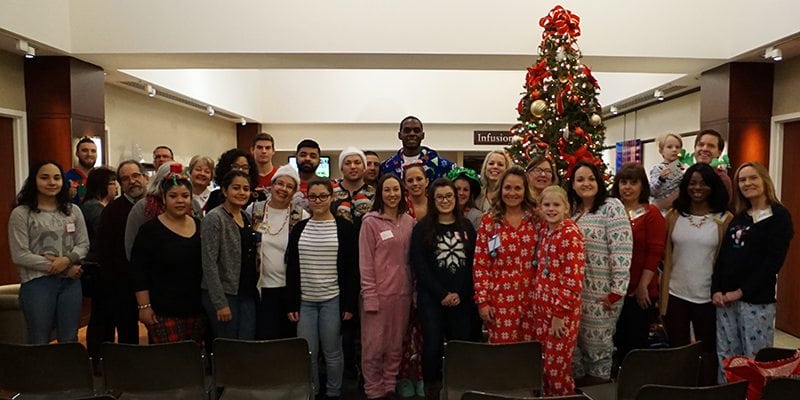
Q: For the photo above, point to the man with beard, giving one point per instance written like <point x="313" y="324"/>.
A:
<point x="116" y="302"/>
<point x="263" y="149"/>
<point x="352" y="197"/>
<point x="411" y="134"/>
<point x="708" y="147"/>
<point x="307" y="160"/>
<point x="373" y="171"/>
<point x="86" y="151"/>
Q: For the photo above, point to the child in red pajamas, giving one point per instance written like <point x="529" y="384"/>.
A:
<point x="557" y="291"/>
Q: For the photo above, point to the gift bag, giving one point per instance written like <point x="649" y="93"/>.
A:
<point x="757" y="374"/>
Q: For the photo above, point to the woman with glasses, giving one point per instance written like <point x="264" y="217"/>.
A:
<point x="541" y="173"/>
<point x="385" y="286"/>
<point x="442" y="250"/>
<point x="233" y="160"/>
<point x="322" y="282"/>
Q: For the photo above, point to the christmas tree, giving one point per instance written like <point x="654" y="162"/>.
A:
<point x="559" y="112"/>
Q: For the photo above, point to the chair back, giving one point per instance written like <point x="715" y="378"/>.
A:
<point x="473" y="395"/>
<point x="508" y="369"/>
<point x="13" y="328"/>
<point x="781" y="389"/>
<point x="171" y="367"/>
<point x="774" y="354"/>
<point x="731" y="391"/>
<point x="272" y="368"/>
<point x="46" y="368"/>
<point x="678" y="366"/>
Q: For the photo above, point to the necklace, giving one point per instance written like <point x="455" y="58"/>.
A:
<point x="697" y="224"/>
<point x="266" y="221"/>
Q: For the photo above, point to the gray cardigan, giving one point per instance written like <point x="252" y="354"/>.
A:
<point x="222" y="255"/>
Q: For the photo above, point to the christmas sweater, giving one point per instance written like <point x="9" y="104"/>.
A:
<point x="435" y="166"/>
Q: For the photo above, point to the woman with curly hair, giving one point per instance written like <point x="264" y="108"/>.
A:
<point x="233" y="160"/>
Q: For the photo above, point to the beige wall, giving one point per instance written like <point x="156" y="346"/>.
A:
<point x="137" y="124"/>
<point x="12" y="82"/>
<point x="786" y="87"/>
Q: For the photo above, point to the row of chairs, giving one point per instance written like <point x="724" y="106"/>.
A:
<point x="280" y="369"/>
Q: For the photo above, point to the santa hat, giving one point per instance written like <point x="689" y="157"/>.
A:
<point x="349" y="151"/>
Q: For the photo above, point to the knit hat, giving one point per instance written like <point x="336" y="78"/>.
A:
<point x="286" y="170"/>
<point x="349" y="151"/>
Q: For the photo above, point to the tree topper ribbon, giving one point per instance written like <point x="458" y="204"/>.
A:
<point x="560" y="21"/>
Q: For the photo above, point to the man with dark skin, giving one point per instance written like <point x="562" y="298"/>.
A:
<point x="411" y="134"/>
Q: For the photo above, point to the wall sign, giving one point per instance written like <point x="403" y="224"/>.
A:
<point x="493" y="138"/>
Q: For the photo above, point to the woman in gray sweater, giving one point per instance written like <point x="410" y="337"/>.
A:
<point x="47" y="238"/>
<point x="230" y="275"/>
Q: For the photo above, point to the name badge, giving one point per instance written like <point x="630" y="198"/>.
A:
<point x="261" y="228"/>
<point x="633" y="214"/>
<point x="70" y="227"/>
<point x="386" y="235"/>
<point x="494" y="243"/>
<point x="762" y="215"/>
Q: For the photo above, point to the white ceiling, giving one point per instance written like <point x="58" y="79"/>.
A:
<point x="368" y="61"/>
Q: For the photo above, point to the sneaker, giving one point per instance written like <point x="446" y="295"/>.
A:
<point x="420" y="388"/>
<point x="405" y="388"/>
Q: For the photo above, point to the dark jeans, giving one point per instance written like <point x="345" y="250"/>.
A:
<point x="703" y="318"/>
<point x="633" y="327"/>
<point x="271" y="316"/>
<point x="113" y="308"/>
<point x="241" y="326"/>
<point x="440" y="323"/>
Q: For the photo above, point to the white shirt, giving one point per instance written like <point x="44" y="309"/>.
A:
<point x="693" y="254"/>
<point x="273" y="248"/>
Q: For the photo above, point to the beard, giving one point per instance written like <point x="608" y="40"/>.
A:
<point x="86" y="164"/>
<point x="307" y="168"/>
<point x="135" y="192"/>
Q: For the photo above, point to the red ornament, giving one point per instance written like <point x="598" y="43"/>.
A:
<point x="535" y="95"/>
<point x="542" y="145"/>
<point x="576" y="99"/>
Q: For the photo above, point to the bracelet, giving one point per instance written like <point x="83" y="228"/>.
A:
<point x="142" y="307"/>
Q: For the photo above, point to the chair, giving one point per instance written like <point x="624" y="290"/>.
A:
<point x="781" y="389"/>
<point x="473" y="395"/>
<point x="677" y="366"/>
<point x="274" y="369"/>
<point x="731" y="391"/>
<point x="58" y="371"/>
<point x="168" y="371"/>
<point x="774" y="354"/>
<point x="508" y="369"/>
<point x="12" y="321"/>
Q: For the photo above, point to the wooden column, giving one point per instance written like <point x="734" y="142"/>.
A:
<point x="64" y="98"/>
<point x="245" y="135"/>
<point x="736" y="100"/>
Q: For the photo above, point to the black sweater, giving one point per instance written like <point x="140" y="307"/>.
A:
<point x="752" y="254"/>
<point x="346" y="266"/>
<point x="437" y="273"/>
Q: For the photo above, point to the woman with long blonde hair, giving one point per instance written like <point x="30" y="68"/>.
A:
<point x="495" y="163"/>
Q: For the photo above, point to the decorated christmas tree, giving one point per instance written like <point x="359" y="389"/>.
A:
<point x="559" y="113"/>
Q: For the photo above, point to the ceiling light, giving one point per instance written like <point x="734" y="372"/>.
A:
<point x="774" y="53"/>
<point x="31" y="52"/>
<point x="211" y="111"/>
<point x="243" y="121"/>
<point x="659" y="94"/>
<point x="614" y="110"/>
<point x="151" y="91"/>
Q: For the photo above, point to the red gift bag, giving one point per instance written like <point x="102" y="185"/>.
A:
<point x="757" y="373"/>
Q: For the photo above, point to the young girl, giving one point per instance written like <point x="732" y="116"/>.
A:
<point x="557" y="291"/>
<point x="666" y="176"/>
<point x="385" y="286"/>
<point x="47" y="238"/>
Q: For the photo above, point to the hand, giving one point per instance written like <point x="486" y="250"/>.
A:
<point x="293" y="316"/>
<point x="665" y="173"/>
<point x="730" y="297"/>
<point x="451" y="299"/>
<point x="718" y="299"/>
<point x="73" y="191"/>
<point x="74" y="272"/>
<point x="605" y="303"/>
<point x="642" y="297"/>
<point x="487" y="313"/>
<point x="148" y="316"/>
<point x="57" y="264"/>
<point x="558" y="328"/>
<point x="224" y="314"/>
<point x="346" y="316"/>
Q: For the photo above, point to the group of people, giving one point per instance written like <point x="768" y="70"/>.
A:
<point x="405" y="254"/>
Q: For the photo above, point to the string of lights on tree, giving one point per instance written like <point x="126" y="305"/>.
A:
<point x="559" y="113"/>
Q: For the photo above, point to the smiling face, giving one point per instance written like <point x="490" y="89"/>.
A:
<point x="133" y="180"/>
<point x="495" y="166"/>
<point x="513" y="191"/>
<point x="672" y="147"/>
<point x="238" y="192"/>
<point x="585" y="184"/>
<point x="391" y="194"/>
<point x="201" y="175"/>
<point x="373" y="168"/>
<point x="87" y="154"/>
<point x="463" y="191"/>
<point x="630" y="190"/>
<point x="699" y="191"/>
<point x="554" y="209"/>
<point x="178" y="201"/>
<point x="751" y="185"/>
<point x="353" y="168"/>
<point x="49" y="180"/>
<point x="706" y="149"/>
<point x="540" y="176"/>
<point x="283" y="189"/>
<point x="411" y="134"/>
<point x="445" y="200"/>
<point x="416" y="182"/>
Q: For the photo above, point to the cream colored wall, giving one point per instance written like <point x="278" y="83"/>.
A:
<point x="137" y="124"/>
<point x="786" y="86"/>
<point x="12" y="82"/>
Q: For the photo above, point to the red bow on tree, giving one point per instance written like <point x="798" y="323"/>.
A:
<point x="560" y="21"/>
<point x="582" y="153"/>
<point x="588" y="73"/>
<point x="535" y="74"/>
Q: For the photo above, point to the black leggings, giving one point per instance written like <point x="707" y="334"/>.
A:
<point x="703" y="318"/>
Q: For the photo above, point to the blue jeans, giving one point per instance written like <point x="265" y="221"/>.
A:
<point x="241" y="326"/>
<point x="48" y="301"/>
<point x="322" y="322"/>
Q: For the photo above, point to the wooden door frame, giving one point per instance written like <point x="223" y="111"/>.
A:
<point x="776" y="148"/>
<point x="20" y="145"/>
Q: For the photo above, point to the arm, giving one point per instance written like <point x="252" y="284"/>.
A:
<point x="367" y="242"/>
<point x="656" y="181"/>
<point x="419" y="261"/>
<point x="135" y="221"/>
<point x="775" y="253"/>
<point x="482" y="277"/>
<point x="656" y="237"/>
<point x="80" y="247"/>
<point x="19" y="243"/>
<point x="210" y="229"/>
<point x="620" y="246"/>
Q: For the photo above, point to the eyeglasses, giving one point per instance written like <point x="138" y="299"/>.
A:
<point x="542" y="171"/>
<point x="240" y="167"/>
<point x="446" y="197"/>
<point x="131" y="177"/>
<point x="315" y="198"/>
<point x="281" y="185"/>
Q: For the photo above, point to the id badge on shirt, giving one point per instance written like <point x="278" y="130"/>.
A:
<point x="494" y="244"/>
<point x="633" y="214"/>
<point x="70" y="227"/>
<point x="386" y="235"/>
<point x="762" y="215"/>
<point x="261" y="228"/>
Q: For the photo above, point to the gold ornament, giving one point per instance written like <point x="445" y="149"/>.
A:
<point x="563" y="78"/>
<point x="595" y="120"/>
<point x="538" y="108"/>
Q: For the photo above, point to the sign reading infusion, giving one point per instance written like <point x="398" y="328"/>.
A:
<point x="492" y="137"/>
